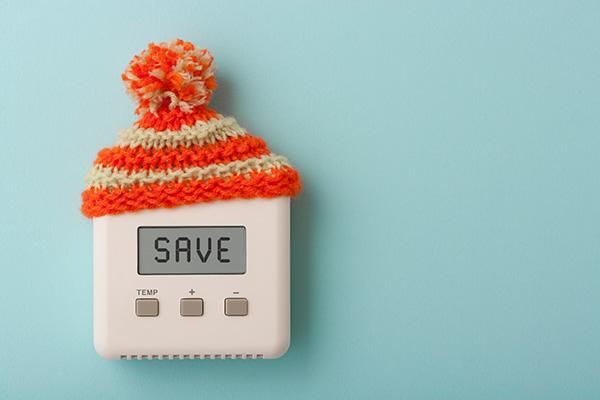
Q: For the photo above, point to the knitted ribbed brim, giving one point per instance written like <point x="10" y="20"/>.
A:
<point x="181" y="152"/>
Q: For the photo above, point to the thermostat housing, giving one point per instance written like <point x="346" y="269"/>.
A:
<point x="208" y="281"/>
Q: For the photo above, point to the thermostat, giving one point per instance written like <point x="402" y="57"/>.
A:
<point x="201" y="281"/>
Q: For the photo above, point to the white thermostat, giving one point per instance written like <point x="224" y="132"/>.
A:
<point x="200" y="281"/>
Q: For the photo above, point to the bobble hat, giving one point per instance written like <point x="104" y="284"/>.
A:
<point x="180" y="151"/>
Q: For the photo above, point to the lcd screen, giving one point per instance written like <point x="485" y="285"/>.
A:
<point x="191" y="250"/>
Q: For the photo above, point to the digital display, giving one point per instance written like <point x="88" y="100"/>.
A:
<point x="191" y="250"/>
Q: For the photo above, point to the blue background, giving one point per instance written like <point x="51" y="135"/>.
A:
<point x="446" y="244"/>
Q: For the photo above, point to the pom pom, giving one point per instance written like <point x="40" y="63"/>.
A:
<point x="170" y="75"/>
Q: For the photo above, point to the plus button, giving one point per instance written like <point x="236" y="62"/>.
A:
<point x="192" y="291"/>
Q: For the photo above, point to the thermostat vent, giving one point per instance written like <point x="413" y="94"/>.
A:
<point x="189" y="356"/>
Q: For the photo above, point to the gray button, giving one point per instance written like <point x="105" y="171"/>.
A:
<point x="236" y="306"/>
<point x="191" y="307"/>
<point x="146" y="307"/>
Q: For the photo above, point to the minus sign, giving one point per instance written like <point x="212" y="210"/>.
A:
<point x="236" y="292"/>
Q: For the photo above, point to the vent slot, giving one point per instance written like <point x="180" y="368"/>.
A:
<point x="190" y="356"/>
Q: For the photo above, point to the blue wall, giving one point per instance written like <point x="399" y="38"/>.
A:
<point x="447" y="241"/>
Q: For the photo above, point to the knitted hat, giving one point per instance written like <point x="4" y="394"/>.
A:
<point x="180" y="151"/>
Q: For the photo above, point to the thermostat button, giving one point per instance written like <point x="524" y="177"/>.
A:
<point x="236" y="306"/>
<point x="146" y="307"/>
<point x="191" y="307"/>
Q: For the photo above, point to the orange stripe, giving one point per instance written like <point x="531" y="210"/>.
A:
<point x="274" y="183"/>
<point x="137" y="158"/>
<point x="174" y="119"/>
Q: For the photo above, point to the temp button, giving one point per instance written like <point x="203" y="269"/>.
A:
<point x="146" y="307"/>
<point x="236" y="306"/>
<point x="191" y="307"/>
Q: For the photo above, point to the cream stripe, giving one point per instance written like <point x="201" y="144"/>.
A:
<point x="108" y="177"/>
<point x="203" y="132"/>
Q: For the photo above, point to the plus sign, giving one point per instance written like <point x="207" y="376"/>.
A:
<point x="192" y="291"/>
